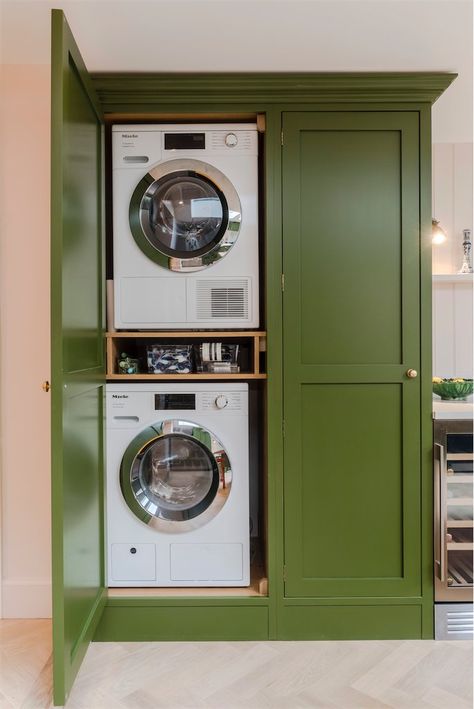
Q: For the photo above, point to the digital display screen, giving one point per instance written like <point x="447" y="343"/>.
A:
<point x="185" y="141"/>
<point x="174" y="402"/>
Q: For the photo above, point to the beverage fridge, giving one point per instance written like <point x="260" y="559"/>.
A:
<point x="453" y="527"/>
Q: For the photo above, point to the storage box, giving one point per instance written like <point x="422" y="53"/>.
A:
<point x="169" y="359"/>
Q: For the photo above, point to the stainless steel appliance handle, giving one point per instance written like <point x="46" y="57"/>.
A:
<point x="440" y="511"/>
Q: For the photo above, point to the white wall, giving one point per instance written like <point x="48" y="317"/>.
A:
<point x="263" y="35"/>
<point x="452" y="299"/>
<point x="452" y="201"/>
<point x="452" y="328"/>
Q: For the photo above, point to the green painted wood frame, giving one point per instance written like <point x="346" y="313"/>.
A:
<point x="271" y="94"/>
<point x="77" y="358"/>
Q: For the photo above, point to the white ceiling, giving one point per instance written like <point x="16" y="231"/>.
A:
<point x="262" y="35"/>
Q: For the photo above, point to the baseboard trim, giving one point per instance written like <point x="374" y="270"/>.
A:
<point x="345" y="622"/>
<point x="26" y="598"/>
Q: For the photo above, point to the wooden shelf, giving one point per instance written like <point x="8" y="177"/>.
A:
<point x="460" y="523"/>
<point x="460" y="546"/>
<point x="197" y="376"/>
<point x="190" y="334"/>
<point x="258" y="587"/>
<point x="452" y="278"/>
<point x="117" y="341"/>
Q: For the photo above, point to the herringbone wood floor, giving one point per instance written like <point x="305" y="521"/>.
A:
<point x="265" y="675"/>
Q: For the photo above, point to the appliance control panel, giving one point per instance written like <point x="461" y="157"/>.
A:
<point x="209" y="142"/>
<point x="128" y="408"/>
<point x="143" y="146"/>
<point x="220" y="401"/>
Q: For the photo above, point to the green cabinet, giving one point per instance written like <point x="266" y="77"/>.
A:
<point x="347" y="218"/>
<point x="351" y="330"/>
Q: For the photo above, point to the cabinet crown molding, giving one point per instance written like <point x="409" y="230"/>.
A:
<point x="124" y="92"/>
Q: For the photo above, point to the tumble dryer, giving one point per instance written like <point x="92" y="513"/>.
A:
<point x="177" y="485"/>
<point x="185" y="226"/>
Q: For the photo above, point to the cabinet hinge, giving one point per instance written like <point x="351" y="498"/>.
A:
<point x="281" y="137"/>
<point x="285" y="575"/>
<point x="283" y="282"/>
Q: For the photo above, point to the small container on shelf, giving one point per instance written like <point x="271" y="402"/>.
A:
<point x="169" y="359"/>
<point x="127" y="364"/>
<point x="217" y="358"/>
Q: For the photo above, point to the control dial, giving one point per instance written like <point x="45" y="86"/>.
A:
<point x="231" y="140"/>
<point x="221" y="401"/>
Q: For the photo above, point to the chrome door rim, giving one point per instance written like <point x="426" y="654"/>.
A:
<point x="162" y="520"/>
<point x="229" y="234"/>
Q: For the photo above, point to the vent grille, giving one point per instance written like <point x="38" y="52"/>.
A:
<point x="459" y="622"/>
<point x="218" y="299"/>
<point x="454" y="621"/>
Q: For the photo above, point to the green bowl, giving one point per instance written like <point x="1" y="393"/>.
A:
<point x="449" y="389"/>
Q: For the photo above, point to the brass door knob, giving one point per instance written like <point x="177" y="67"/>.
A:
<point x="46" y="386"/>
<point x="412" y="373"/>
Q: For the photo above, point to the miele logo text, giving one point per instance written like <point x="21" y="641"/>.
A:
<point x="119" y="396"/>
<point x="129" y="135"/>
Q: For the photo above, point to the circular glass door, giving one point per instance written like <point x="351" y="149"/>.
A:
<point x="184" y="215"/>
<point x="175" y="476"/>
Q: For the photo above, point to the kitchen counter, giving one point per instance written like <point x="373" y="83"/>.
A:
<point x="452" y="409"/>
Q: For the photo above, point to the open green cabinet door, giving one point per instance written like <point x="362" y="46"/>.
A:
<point x="78" y="358"/>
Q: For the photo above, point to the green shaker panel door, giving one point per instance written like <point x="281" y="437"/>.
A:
<point x="351" y="332"/>
<point x="78" y="362"/>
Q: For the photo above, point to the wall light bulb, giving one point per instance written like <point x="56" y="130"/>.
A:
<point x="438" y="234"/>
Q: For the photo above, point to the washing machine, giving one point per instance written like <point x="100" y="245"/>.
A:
<point x="177" y="485"/>
<point x="185" y="226"/>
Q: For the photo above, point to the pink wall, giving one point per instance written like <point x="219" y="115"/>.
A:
<point x="25" y="349"/>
